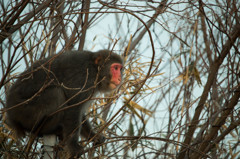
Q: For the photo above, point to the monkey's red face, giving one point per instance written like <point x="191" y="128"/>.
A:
<point x="116" y="71"/>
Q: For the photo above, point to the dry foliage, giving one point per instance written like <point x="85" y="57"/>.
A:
<point x="180" y="96"/>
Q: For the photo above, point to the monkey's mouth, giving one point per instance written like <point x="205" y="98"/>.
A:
<point x="113" y="85"/>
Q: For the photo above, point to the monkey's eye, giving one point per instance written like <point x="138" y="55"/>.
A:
<point x="116" y="67"/>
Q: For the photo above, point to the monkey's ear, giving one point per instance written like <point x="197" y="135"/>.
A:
<point x="98" y="60"/>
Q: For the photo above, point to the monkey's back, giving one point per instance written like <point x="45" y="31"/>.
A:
<point x="44" y="87"/>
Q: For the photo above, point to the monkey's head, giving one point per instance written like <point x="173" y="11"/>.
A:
<point x="109" y="70"/>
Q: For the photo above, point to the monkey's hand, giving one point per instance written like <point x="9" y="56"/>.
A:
<point x="99" y="139"/>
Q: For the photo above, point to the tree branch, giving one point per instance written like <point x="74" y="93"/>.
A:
<point x="7" y="33"/>
<point x="212" y="75"/>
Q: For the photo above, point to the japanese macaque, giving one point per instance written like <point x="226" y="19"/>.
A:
<point x="52" y="96"/>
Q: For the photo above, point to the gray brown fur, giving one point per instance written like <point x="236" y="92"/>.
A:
<point x="35" y="100"/>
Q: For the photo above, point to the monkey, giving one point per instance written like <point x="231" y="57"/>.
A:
<point x="53" y="95"/>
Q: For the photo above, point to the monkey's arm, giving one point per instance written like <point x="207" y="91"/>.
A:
<point x="88" y="133"/>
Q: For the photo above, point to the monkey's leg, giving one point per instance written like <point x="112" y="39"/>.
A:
<point x="47" y="106"/>
<point x="71" y="130"/>
<point x="18" y="130"/>
<point x="30" y="116"/>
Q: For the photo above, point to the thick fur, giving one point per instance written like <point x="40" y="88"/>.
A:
<point x="52" y="96"/>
